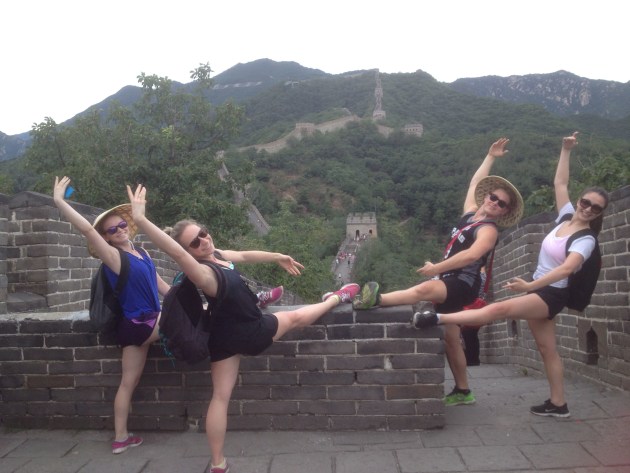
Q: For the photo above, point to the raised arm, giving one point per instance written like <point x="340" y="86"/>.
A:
<point x="285" y="261"/>
<point x="497" y="150"/>
<point x="561" y="180"/>
<point x="105" y="252"/>
<point x="201" y="275"/>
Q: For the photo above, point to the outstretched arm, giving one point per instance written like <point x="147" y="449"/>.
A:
<point x="561" y="180"/>
<point x="285" y="261"/>
<point x="105" y="252"/>
<point x="201" y="275"/>
<point x="497" y="150"/>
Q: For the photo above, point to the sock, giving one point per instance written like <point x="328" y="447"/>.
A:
<point x="438" y="318"/>
<point x="462" y="391"/>
<point x="222" y="465"/>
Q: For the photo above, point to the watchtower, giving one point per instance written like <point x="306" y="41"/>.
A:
<point x="361" y="225"/>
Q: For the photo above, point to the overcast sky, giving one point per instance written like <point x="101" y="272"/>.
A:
<point x="61" y="56"/>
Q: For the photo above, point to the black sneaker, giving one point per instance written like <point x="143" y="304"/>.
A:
<point x="424" y="319"/>
<point x="549" y="409"/>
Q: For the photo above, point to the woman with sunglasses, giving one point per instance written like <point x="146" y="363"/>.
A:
<point x="238" y="325"/>
<point x="547" y="294"/>
<point x="455" y="282"/>
<point x="112" y="230"/>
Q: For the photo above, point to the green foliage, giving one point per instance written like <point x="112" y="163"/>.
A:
<point x="309" y="240"/>
<point x="393" y="258"/>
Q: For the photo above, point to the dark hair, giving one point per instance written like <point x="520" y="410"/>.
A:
<point x="596" y="223"/>
<point x="175" y="232"/>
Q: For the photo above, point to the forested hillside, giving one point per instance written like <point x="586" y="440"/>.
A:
<point x="169" y="141"/>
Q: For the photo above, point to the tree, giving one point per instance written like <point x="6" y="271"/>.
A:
<point x="168" y="141"/>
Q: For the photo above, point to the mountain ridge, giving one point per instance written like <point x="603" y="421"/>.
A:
<point x="561" y="93"/>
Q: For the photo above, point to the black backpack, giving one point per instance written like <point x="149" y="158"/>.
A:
<point x="582" y="283"/>
<point x="105" y="310"/>
<point x="185" y="324"/>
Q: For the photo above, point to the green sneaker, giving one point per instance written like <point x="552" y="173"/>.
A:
<point x="368" y="297"/>
<point x="457" y="398"/>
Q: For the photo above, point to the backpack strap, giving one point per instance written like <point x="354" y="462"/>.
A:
<point x="124" y="272"/>
<point x="221" y="280"/>
<point x="488" y="272"/>
<point x="447" y="250"/>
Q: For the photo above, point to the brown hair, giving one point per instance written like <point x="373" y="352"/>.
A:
<point x="596" y="223"/>
<point x="175" y="232"/>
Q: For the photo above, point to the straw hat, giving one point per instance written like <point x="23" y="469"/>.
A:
<point x="124" y="211"/>
<point x="491" y="183"/>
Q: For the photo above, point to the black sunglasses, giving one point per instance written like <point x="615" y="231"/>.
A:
<point x="585" y="204"/>
<point x="203" y="233"/>
<point x="112" y="230"/>
<point x="501" y="203"/>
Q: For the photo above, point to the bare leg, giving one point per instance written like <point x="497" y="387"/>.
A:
<point x="133" y="359"/>
<point x="545" y="335"/>
<point x="455" y="355"/>
<point x="527" y="307"/>
<point x="224" y="374"/>
<point x="431" y="291"/>
<point x="304" y="316"/>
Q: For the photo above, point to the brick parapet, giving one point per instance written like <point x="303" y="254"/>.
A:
<point x="350" y="371"/>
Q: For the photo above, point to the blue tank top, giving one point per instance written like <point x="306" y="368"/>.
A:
<point x="140" y="294"/>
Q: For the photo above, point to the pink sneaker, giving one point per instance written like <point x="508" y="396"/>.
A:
<point x="130" y="441"/>
<point x="218" y="469"/>
<point x="266" y="298"/>
<point x="346" y="293"/>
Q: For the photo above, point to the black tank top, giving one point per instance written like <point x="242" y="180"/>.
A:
<point x="470" y="273"/>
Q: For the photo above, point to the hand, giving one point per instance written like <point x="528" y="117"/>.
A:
<point x="138" y="202"/>
<point x="290" y="265"/>
<point x="568" y="142"/>
<point x="517" y="285"/>
<point x="497" y="149"/>
<point x="59" y="191"/>
<point x="429" y="270"/>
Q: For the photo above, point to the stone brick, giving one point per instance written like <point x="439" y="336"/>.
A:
<point x="270" y="407"/>
<point x="50" y="381"/>
<point x="320" y="407"/>
<point x="310" y="363"/>
<point x="326" y="378"/>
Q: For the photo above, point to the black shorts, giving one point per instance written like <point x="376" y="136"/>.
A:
<point x="245" y="342"/>
<point x="556" y="299"/>
<point x="458" y="294"/>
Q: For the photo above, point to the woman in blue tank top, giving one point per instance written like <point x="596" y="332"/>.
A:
<point x="112" y="230"/>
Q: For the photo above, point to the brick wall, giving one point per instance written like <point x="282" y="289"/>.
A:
<point x="351" y="371"/>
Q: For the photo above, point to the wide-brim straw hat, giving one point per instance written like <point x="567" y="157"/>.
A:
<point x="124" y="211"/>
<point x="491" y="183"/>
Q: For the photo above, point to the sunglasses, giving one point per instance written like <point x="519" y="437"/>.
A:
<point x="585" y="204"/>
<point x="501" y="203"/>
<point x="112" y="230"/>
<point x="203" y="233"/>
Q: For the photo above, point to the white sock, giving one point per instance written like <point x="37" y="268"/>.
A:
<point x="438" y="318"/>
